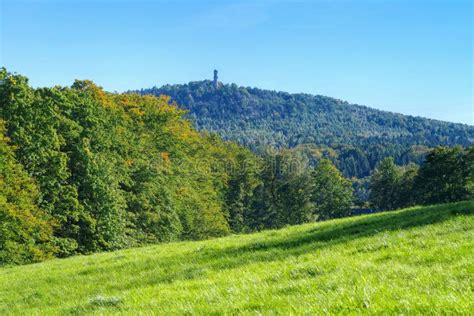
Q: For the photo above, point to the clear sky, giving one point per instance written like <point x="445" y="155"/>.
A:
<point x="407" y="56"/>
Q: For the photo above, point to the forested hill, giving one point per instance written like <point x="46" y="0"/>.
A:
<point x="358" y="136"/>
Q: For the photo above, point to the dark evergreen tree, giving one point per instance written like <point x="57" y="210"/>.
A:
<point x="446" y="176"/>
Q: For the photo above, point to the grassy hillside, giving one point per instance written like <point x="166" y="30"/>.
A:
<point x="410" y="261"/>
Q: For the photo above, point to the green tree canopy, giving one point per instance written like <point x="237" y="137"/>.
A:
<point x="25" y="230"/>
<point x="384" y="185"/>
<point x="446" y="175"/>
<point x="332" y="193"/>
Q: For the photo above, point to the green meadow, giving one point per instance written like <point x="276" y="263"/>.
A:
<point x="412" y="261"/>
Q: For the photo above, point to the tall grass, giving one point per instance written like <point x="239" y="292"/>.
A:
<point x="412" y="261"/>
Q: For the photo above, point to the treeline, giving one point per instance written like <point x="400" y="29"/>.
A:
<point x="83" y="170"/>
<point x="357" y="136"/>
<point x="290" y="191"/>
<point x="446" y="175"/>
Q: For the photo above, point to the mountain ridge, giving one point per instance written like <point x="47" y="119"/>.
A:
<point x="259" y="118"/>
<point x="308" y="94"/>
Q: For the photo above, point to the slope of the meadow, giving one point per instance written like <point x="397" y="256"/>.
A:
<point x="413" y="261"/>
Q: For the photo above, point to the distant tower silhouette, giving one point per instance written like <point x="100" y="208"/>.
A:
<point x="216" y="83"/>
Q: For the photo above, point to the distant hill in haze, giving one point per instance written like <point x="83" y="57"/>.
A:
<point x="356" y="137"/>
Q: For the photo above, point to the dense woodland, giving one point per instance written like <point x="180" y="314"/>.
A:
<point x="446" y="175"/>
<point x="356" y="138"/>
<point x="83" y="170"/>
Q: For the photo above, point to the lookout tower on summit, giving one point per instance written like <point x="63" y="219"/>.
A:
<point x="215" y="83"/>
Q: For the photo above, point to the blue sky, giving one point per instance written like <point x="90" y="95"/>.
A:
<point x="407" y="56"/>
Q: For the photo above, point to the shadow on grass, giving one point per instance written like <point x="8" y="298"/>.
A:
<point x="96" y="304"/>
<point x="276" y="247"/>
<point x="366" y="226"/>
